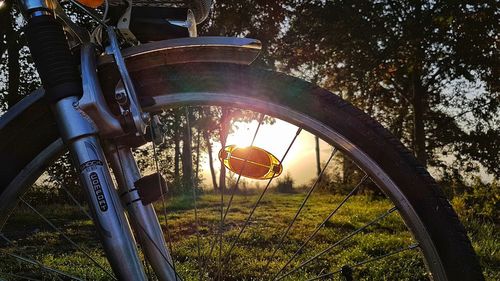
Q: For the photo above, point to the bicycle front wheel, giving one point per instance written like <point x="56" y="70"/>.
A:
<point x="386" y="219"/>
<point x="417" y="198"/>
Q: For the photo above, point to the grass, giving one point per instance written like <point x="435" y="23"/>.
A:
<point x="485" y="237"/>
<point x="254" y="251"/>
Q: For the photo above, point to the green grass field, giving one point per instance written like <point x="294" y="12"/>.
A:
<point x="254" y="250"/>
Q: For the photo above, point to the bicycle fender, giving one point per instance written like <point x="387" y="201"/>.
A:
<point x="188" y="50"/>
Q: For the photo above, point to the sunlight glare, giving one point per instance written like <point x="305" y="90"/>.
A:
<point x="275" y="138"/>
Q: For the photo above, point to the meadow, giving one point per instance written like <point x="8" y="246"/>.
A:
<point x="384" y="250"/>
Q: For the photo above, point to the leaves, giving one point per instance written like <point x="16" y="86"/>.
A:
<point x="367" y="52"/>
<point x="381" y="55"/>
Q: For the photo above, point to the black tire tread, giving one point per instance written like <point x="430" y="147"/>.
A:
<point x="443" y="223"/>
<point x="418" y="186"/>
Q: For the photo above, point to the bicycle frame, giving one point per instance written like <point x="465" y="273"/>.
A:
<point x="83" y="121"/>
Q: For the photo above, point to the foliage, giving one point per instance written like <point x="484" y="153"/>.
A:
<point x="428" y="70"/>
<point x="62" y="175"/>
<point x="420" y="67"/>
<point x="425" y="69"/>
<point x="485" y="239"/>
<point x="479" y="201"/>
<point x="284" y="184"/>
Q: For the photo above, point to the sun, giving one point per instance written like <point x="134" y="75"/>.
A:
<point x="274" y="138"/>
<point x="242" y="133"/>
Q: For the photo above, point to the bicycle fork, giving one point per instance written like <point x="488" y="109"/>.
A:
<point x="107" y="211"/>
<point x="142" y="214"/>
<point x="62" y="83"/>
<point x="80" y="134"/>
<point x="63" y="87"/>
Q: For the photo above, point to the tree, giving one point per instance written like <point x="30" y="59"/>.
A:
<point x="405" y="54"/>
<point x="260" y="19"/>
<point x="318" y="159"/>
<point x="206" y="126"/>
<point x="13" y="44"/>
<point x="225" y="127"/>
<point x="15" y="59"/>
<point x="420" y="67"/>
<point x="187" y="152"/>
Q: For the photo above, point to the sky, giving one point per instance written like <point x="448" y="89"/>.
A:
<point x="299" y="163"/>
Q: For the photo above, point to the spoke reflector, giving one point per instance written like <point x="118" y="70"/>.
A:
<point x="251" y="162"/>
<point x="91" y="3"/>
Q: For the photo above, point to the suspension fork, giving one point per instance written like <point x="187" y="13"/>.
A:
<point x="63" y="86"/>
<point x="142" y="216"/>
<point x="107" y="211"/>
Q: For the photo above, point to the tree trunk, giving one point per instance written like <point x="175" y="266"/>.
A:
<point x="397" y="127"/>
<point x="347" y="170"/>
<point x="224" y="131"/>
<point x="318" y="160"/>
<point x="197" y="175"/>
<point x="13" y="67"/>
<point x="419" y="95"/>
<point x="419" y="106"/>
<point x="177" y="150"/>
<point x="206" y="136"/>
<point x="187" y="155"/>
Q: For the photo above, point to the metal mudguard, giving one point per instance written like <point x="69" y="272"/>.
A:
<point x="186" y="50"/>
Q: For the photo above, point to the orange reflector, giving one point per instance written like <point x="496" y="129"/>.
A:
<point x="91" y="3"/>
<point x="251" y="162"/>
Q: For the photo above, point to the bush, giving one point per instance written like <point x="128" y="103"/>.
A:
<point x="480" y="200"/>
<point x="285" y="184"/>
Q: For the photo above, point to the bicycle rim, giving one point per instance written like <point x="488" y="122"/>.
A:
<point x="334" y="138"/>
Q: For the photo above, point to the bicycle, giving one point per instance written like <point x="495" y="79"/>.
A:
<point x="114" y="103"/>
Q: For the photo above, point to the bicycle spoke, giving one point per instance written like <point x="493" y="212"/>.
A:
<point x="308" y="195"/>
<point x="164" y="207"/>
<point x="335" y="233"/>
<point x="235" y="241"/>
<point x="226" y="113"/>
<point x="233" y="190"/>
<point x="245" y="162"/>
<point x="67" y="238"/>
<point x="339" y="242"/>
<point x="76" y="202"/>
<point x="221" y="225"/>
<point x="404" y="249"/>
<point x="40" y="266"/>
<point x="351" y="193"/>
<point x="30" y="260"/>
<point x="159" y="250"/>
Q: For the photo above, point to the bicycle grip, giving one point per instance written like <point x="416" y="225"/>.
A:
<point x="56" y="66"/>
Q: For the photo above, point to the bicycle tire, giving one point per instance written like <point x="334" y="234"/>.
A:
<point x="452" y="256"/>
